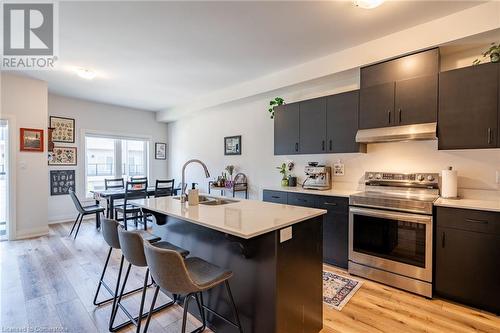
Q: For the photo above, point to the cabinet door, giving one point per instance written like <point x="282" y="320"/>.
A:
<point x="335" y="230"/>
<point x="376" y="106"/>
<point x="468" y="107"/>
<point x="342" y="123"/>
<point x="416" y="100"/>
<point x="313" y="126"/>
<point x="300" y="199"/>
<point x="467" y="267"/>
<point x="286" y="129"/>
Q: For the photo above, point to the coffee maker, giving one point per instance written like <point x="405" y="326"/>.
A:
<point x="319" y="177"/>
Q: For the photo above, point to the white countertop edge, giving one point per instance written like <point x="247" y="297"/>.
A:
<point x="235" y="233"/>
<point x="474" y="204"/>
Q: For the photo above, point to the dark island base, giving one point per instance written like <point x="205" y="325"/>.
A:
<point x="277" y="286"/>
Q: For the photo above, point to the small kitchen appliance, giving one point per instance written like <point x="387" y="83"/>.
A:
<point x="318" y="177"/>
<point x="390" y="230"/>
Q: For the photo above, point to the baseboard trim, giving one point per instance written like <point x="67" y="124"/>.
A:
<point x="72" y="218"/>
<point x="32" y="233"/>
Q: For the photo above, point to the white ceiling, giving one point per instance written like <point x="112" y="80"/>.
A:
<point x="157" y="55"/>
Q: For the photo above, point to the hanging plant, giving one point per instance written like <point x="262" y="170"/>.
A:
<point x="275" y="102"/>
<point x="493" y="52"/>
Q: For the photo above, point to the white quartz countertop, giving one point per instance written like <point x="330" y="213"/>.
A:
<point x="489" y="205"/>
<point x="298" y="189"/>
<point x="245" y="218"/>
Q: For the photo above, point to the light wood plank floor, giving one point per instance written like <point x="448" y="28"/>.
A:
<point x="49" y="282"/>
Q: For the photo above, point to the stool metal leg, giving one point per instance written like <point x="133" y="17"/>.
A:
<point x="113" y="314"/>
<point x="141" y="307"/>
<point x="235" y="310"/>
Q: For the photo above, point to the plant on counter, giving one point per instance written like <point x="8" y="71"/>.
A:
<point x="284" y="168"/>
<point x="275" y="102"/>
<point x="493" y="52"/>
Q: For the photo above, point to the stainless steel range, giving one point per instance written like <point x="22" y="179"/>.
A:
<point x="390" y="230"/>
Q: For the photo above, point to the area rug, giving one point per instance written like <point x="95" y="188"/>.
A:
<point x="338" y="289"/>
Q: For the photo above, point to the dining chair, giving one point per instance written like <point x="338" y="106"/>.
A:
<point x="134" y="189"/>
<point x="164" y="188"/>
<point x="110" y="184"/>
<point x="83" y="211"/>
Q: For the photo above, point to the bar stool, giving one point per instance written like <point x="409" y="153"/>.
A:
<point x="190" y="277"/>
<point x="110" y="234"/>
<point x="132" y="246"/>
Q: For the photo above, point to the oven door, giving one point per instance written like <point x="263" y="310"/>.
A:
<point x="396" y="242"/>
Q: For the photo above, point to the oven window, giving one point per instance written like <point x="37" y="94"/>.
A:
<point x="390" y="239"/>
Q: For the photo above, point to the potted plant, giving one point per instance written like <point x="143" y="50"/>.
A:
<point x="284" y="168"/>
<point x="493" y="52"/>
<point x="275" y="102"/>
<point x="230" y="170"/>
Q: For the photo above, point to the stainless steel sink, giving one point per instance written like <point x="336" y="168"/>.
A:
<point x="210" y="201"/>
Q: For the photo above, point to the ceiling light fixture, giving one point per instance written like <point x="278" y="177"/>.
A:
<point x="368" y="4"/>
<point x="86" y="74"/>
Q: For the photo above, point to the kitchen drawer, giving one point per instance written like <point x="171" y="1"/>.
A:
<point x="468" y="219"/>
<point x="299" y="199"/>
<point x="274" y="196"/>
<point x="336" y="204"/>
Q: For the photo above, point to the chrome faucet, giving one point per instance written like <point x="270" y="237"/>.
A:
<point x="183" y="181"/>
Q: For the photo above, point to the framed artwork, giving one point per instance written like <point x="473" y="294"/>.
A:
<point x="61" y="181"/>
<point x="63" y="129"/>
<point x="160" y="151"/>
<point x="31" y="139"/>
<point x="63" y="156"/>
<point x="232" y="145"/>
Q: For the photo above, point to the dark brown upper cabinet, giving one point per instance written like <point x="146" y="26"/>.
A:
<point x="376" y="106"/>
<point x="402" y="91"/>
<point x="312" y="126"/>
<point x="468" y="107"/>
<point x="342" y="123"/>
<point x="286" y="129"/>
<point x="416" y="100"/>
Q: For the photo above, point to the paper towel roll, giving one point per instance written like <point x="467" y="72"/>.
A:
<point x="449" y="183"/>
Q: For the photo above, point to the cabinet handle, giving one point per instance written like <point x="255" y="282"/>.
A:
<point x="330" y="203"/>
<point x="400" y="116"/>
<point x="443" y="239"/>
<point x="476" y="221"/>
<point x="275" y="197"/>
<point x="331" y="145"/>
<point x="296" y="146"/>
<point x="323" y="145"/>
<point x="389" y="116"/>
<point x="489" y="135"/>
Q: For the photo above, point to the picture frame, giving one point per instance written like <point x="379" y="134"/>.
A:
<point x="160" y="151"/>
<point x="232" y="145"/>
<point x="31" y="139"/>
<point x="63" y="156"/>
<point x="62" y="181"/>
<point x="63" y="129"/>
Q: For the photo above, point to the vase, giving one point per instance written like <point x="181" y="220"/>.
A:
<point x="495" y="57"/>
<point x="284" y="182"/>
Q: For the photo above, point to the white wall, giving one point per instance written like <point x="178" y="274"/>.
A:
<point x="201" y="136"/>
<point x="107" y="119"/>
<point x="24" y="101"/>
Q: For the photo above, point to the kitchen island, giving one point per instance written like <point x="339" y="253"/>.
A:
<point x="274" y="251"/>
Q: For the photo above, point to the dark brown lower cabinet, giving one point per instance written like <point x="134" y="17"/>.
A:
<point x="467" y="266"/>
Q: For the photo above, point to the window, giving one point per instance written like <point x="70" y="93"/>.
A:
<point x="114" y="157"/>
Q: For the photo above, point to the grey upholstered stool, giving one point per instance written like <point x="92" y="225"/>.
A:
<point x="189" y="277"/>
<point x="132" y="246"/>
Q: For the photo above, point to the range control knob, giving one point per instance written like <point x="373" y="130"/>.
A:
<point x="378" y="176"/>
<point x="370" y="176"/>
<point x="430" y="178"/>
<point x="420" y="177"/>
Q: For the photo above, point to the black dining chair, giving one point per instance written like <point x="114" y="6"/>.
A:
<point x="134" y="189"/>
<point x="139" y="178"/>
<point x="83" y="211"/>
<point x="113" y="184"/>
<point x="164" y="188"/>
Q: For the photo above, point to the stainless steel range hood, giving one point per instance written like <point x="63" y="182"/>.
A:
<point x="425" y="131"/>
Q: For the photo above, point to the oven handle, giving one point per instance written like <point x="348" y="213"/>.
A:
<point x="407" y="217"/>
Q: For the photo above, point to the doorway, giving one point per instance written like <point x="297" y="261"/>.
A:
<point x="4" y="180"/>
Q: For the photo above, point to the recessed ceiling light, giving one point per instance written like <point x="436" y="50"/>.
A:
<point x="86" y="74"/>
<point x="368" y="4"/>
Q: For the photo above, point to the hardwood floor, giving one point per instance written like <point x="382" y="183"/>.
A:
<point x="49" y="282"/>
